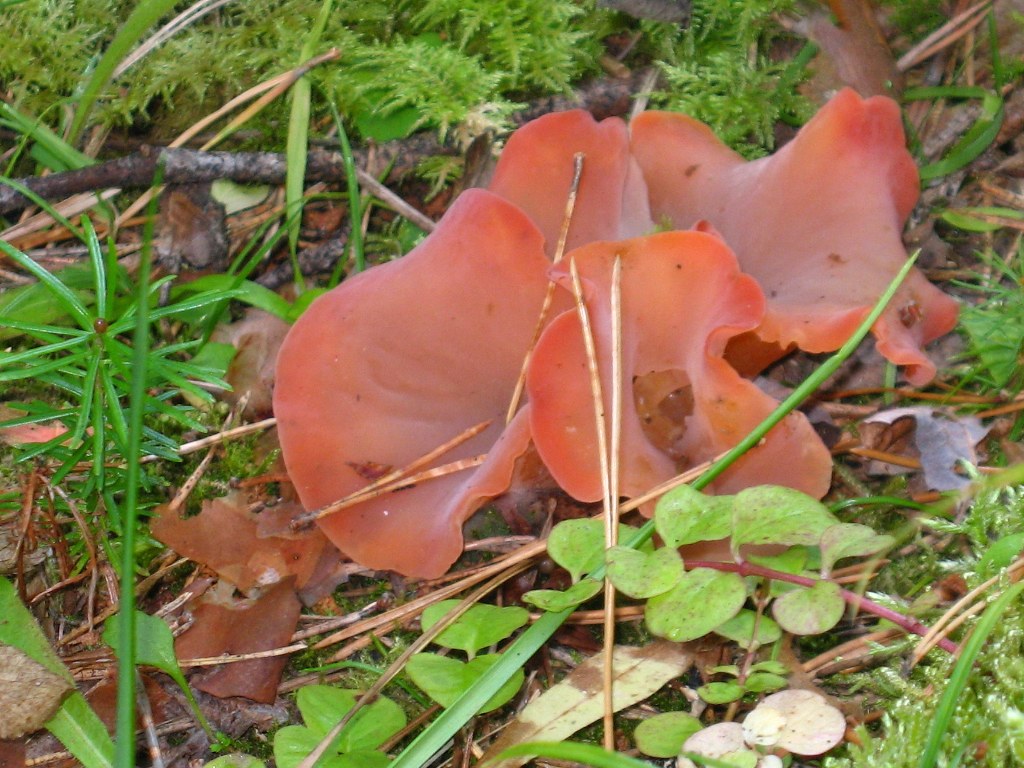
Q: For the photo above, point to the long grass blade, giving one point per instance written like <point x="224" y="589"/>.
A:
<point x="298" y="138"/>
<point x="142" y="18"/>
<point x="962" y="671"/>
<point x="126" y="689"/>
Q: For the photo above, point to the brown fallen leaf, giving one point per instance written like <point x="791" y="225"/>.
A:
<point x="939" y="440"/>
<point x="249" y="550"/>
<point x="30" y="694"/>
<point x="225" y="625"/>
<point x="577" y="701"/>
<point x="257" y="338"/>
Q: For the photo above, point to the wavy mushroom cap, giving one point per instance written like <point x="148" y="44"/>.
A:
<point x="817" y="224"/>
<point x="397" y="361"/>
<point x="683" y="299"/>
<point x="536" y="169"/>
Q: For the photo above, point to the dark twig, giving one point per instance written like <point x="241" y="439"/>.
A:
<point x="187" y="166"/>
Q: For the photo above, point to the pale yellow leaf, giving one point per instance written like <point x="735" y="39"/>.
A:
<point x="578" y="701"/>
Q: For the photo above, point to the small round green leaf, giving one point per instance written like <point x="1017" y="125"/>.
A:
<point x="559" y="600"/>
<point x="292" y="744"/>
<point x="771" y="514"/>
<point x="762" y="682"/>
<point x="849" y="540"/>
<point x="642" y="574"/>
<point x="720" y="692"/>
<point x="701" y="601"/>
<point x="236" y="760"/>
<point x="578" y="545"/>
<point x="810" y="610"/>
<point x="445" y="679"/>
<point x="772" y="666"/>
<point x="479" y="627"/>
<point x="322" y="706"/>
<point x="792" y="560"/>
<point x="740" y="629"/>
<point x="663" y="735"/>
<point x="685" y="516"/>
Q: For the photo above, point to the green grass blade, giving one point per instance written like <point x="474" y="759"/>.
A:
<point x="145" y="15"/>
<point x="61" y="292"/>
<point x="355" y="200"/>
<point x="962" y="671"/>
<point x="298" y="137"/>
<point x="126" y="673"/>
<point x="977" y="138"/>
<point x="97" y="263"/>
<point x="69" y="157"/>
<point x="448" y="723"/>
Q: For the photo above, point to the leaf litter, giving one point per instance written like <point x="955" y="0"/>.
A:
<point x="254" y="573"/>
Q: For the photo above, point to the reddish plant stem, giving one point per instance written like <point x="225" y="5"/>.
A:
<point x="852" y="598"/>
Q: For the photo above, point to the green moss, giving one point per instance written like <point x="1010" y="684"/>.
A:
<point x="435" y="62"/>
<point x="721" y="72"/>
<point x="474" y="53"/>
<point x="987" y="729"/>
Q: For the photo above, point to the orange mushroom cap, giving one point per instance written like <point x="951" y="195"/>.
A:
<point x="400" y="359"/>
<point x="683" y="299"/>
<point x="817" y="224"/>
<point x="535" y="172"/>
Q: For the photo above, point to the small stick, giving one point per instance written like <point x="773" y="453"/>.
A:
<point x="549" y="295"/>
<point x="612" y="503"/>
<point x="212" y="661"/>
<point x="399" y="477"/>
<point x="939" y="628"/>
<point x="944" y="36"/>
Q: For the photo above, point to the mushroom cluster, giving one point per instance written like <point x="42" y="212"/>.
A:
<point x="789" y="251"/>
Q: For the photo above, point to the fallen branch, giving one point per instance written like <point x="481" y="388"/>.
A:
<point x="187" y="166"/>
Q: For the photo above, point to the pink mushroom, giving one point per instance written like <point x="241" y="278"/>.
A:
<point x="536" y="168"/>
<point x="683" y="299"/>
<point x="399" y="360"/>
<point x="817" y="224"/>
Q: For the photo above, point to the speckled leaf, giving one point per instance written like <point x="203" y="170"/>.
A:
<point x="703" y="600"/>
<point x="663" y="735"/>
<point x="479" y="627"/>
<point x="811" y="727"/>
<point x="740" y="629"/>
<point x="29" y="693"/>
<point x="559" y="600"/>
<point x="771" y="514"/>
<point x="721" y="741"/>
<point x="849" y="540"/>
<point x="793" y="560"/>
<point x="577" y="701"/>
<point x="684" y="516"/>
<point x="810" y="610"/>
<point x="642" y="574"/>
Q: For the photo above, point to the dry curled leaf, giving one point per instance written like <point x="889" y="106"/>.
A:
<point x="940" y="441"/>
